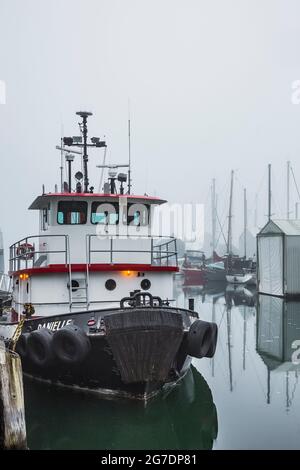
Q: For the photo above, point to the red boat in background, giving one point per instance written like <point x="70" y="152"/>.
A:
<point x="193" y="268"/>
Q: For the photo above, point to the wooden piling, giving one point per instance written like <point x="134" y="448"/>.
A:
<point x="12" y="413"/>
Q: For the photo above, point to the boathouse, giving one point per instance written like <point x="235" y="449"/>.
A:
<point x="278" y="258"/>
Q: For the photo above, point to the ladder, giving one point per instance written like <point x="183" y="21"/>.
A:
<point x="78" y="293"/>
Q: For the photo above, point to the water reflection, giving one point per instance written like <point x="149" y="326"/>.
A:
<point x="253" y="380"/>
<point x="254" y="374"/>
<point x="278" y="341"/>
<point x="184" y="419"/>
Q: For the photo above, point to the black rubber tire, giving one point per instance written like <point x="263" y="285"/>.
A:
<point x="214" y="339"/>
<point x="22" y="345"/>
<point x="39" y="347"/>
<point x="71" y="345"/>
<point x="199" y="339"/>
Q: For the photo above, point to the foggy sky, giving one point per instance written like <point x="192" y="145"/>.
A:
<point x="209" y="84"/>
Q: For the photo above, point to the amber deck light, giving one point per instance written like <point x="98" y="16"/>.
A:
<point x="24" y="276"/>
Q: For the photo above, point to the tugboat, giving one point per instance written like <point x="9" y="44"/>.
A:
<point x="92" y="305"/>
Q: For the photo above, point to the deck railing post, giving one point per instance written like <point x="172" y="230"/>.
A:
<point x="111" y="250"/>
<point x="167" y="246"/>
<point x="151" y="251"/>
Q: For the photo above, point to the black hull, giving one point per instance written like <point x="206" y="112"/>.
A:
<point x="134" y="353"/>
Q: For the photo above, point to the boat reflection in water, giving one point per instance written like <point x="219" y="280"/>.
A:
<point x="184" y="419"/>
<point x="278" y="341"/>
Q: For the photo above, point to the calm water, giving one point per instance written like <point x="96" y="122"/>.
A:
<point x="246" y="397"/>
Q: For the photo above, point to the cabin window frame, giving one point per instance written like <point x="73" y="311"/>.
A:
<point x="84" y="211"/>
<point x="145" y="223"/>
<point x="116" y="206"/>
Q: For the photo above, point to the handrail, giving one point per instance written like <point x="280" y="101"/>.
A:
<point x="158" y="252"/>
<point x="15" y="259"/>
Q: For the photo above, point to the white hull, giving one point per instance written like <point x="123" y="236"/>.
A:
<point x="238" y="278"/>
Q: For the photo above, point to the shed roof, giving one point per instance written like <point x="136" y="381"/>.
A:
<point x="286" y="227"/>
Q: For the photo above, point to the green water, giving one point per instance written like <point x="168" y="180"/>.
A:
<point x="246" y="397"/>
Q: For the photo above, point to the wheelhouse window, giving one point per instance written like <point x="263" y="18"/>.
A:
<point x="72" y="212"/>
<point x="138" y="215"/>
<point x="104" y="213"/>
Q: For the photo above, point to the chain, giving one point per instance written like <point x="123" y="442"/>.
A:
<point x="28" y="311"/>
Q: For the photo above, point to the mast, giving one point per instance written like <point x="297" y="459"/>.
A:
<point x="245" y="222"/>
<point x="77" y="142"/>
<point x="269" y="192"/>
<point x="85" y="157"/>
<point x="129" y="157"/>
<point x="213" y="214"/>
<point x="255" y="211"/>
<point x="288" y="190"/>
<point x="229" y="238"/>
<point x="296" y="210"/>
<point x="61" y="166"/>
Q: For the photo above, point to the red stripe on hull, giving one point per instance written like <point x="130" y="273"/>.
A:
<point x="193" y="277"/>
<point x="62" y="268"/>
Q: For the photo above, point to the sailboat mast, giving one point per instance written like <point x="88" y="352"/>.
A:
<point x="288" y="190"/>
<point x="61" y="166"/>
<point x="269" y="191"/>
<point x="245" y="222"/>
<point x="213" y="214"/>
<point x="255" y="211"/>
<point x="129" y="156"/>
<point x="229" y="238"/>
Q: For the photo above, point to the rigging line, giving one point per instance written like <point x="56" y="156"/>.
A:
<point x="295" y="181"/>
<point x="223" y="199"/>
<point x="221" y="228"/>
<point x="259" y="188"/>
<point x="222" y="317"/>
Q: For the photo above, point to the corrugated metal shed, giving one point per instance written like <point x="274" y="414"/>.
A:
<point x="278" y="250"/>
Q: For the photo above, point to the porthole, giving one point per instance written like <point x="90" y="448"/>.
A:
<point x="145" y="284"/>
<point x="75" y="285"/>
<point x="110" y="284"/>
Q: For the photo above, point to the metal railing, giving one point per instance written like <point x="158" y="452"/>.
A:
<point x="161" y="253"/>
<point x="25" y="255"/>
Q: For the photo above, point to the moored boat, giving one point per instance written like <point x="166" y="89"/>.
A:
<point x="193" y="268"/>
<point x="92" y="304"/>
<point x="241" y="278"/>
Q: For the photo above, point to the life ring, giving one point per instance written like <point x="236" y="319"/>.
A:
<point x="202" y="339"/>
<point x="39" y="347"/>
<point x="25" y="251"/>
<point x="71" y="345"/>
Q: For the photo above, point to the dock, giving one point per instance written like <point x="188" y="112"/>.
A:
<point x="12" y="413"/>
